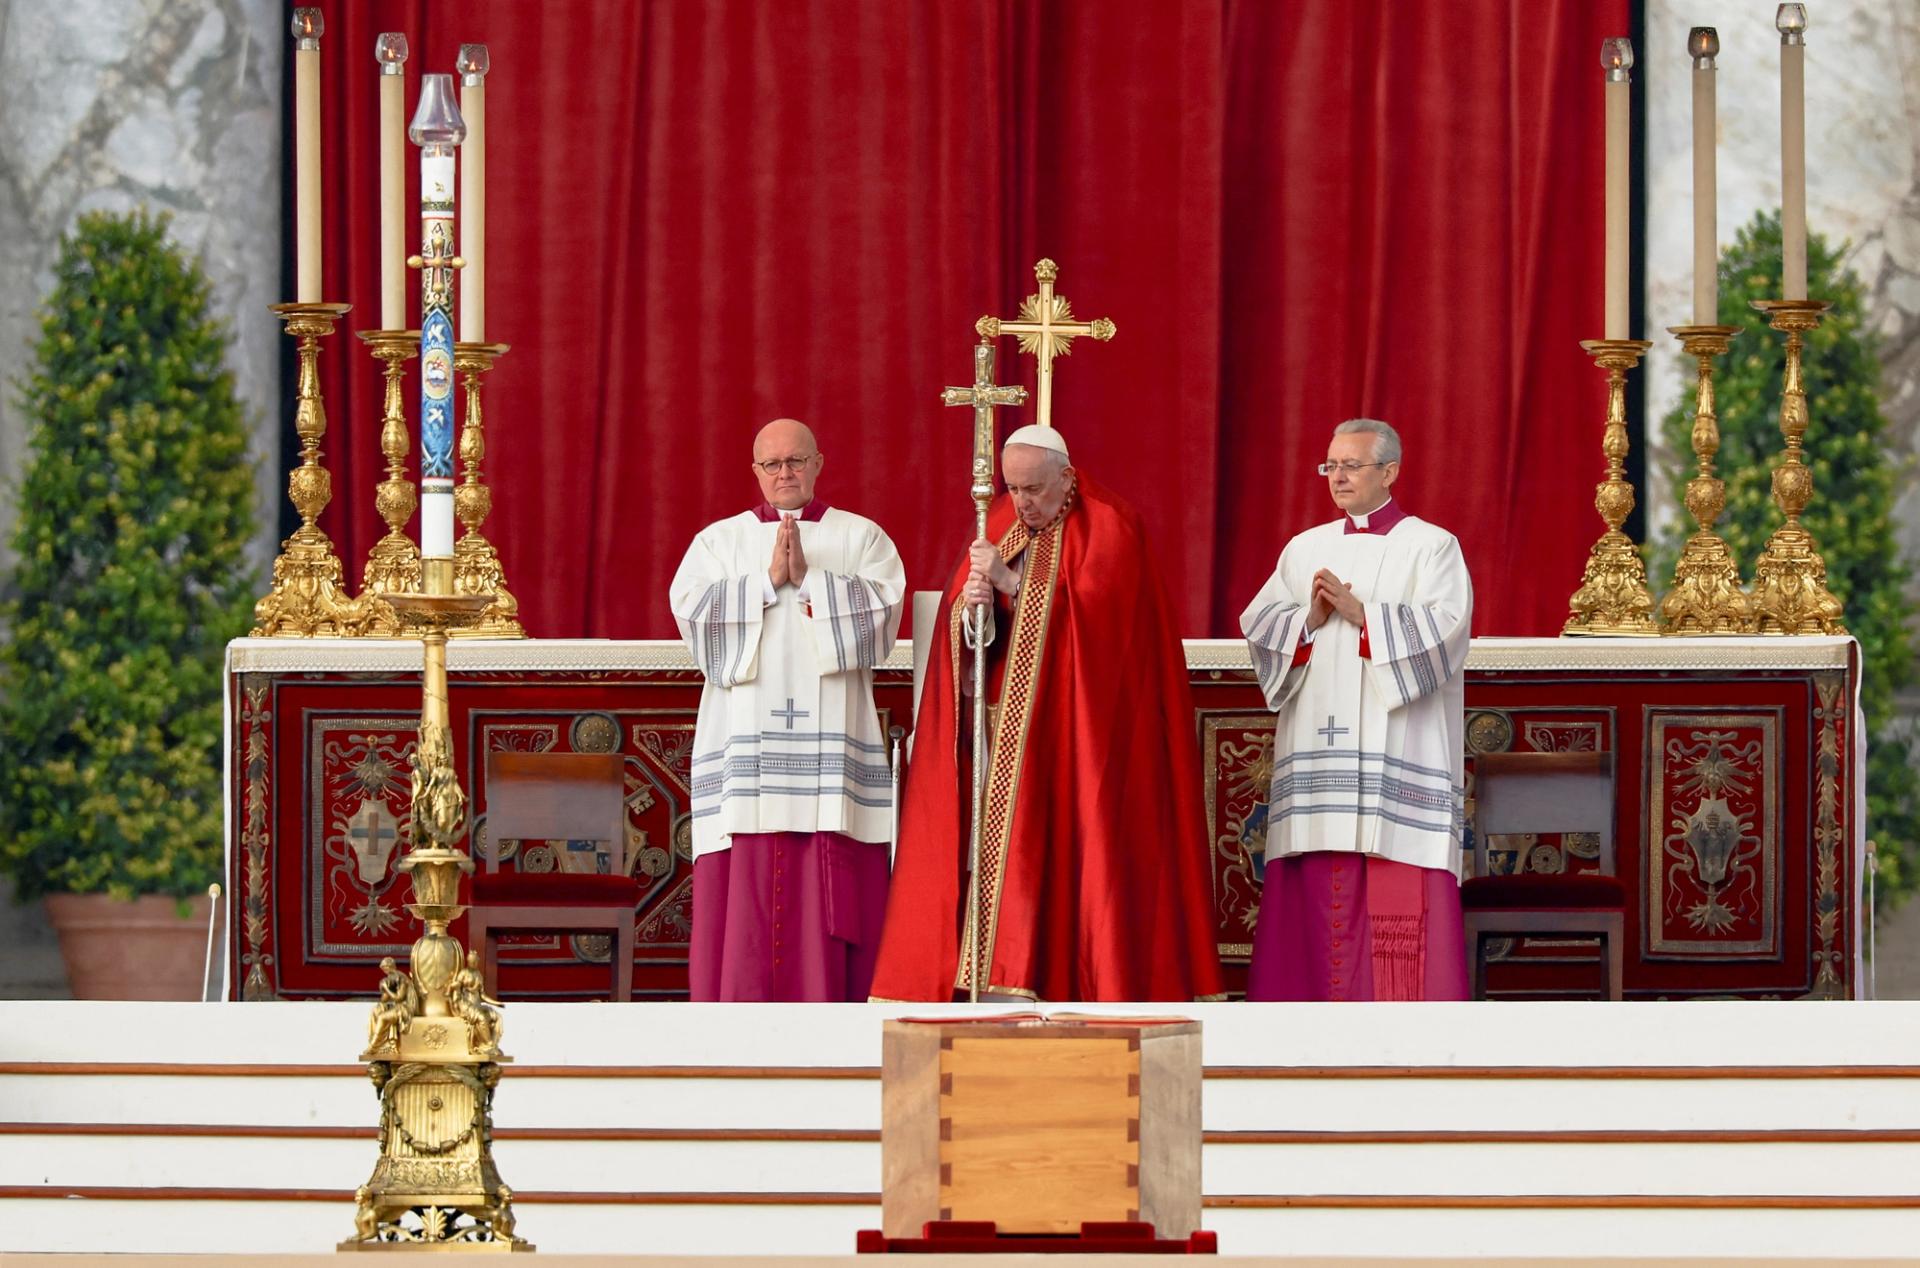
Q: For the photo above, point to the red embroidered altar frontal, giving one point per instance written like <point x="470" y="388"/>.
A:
<point x="1737" y="829"/>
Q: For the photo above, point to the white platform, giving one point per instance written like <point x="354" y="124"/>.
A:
<point x="1732" y="1130"/>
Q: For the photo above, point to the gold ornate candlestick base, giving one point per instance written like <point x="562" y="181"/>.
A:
<point x="393" y="565"/>
<point x="1707" y="597"/>
<point x="476" y="564"/>
<point x="1790" y="594"/>
<point x="433" y="1041"/>
<point x="1613" y="597"/>
<point x="306" y="600"/>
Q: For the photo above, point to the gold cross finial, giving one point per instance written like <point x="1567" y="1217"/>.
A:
<point x="1047" y="330"/>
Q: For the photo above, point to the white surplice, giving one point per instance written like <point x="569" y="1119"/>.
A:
<point x="788" y="739"/>
<point x="1367" y="755"/>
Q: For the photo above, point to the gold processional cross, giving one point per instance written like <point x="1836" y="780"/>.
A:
<point x="1047" y="330"/>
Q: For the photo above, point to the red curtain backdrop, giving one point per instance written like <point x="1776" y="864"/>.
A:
<point x="704" y="214"/>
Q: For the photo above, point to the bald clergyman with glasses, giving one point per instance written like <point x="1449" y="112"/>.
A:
<point x="787" y="608"/>
<point x="1359" y="641"/>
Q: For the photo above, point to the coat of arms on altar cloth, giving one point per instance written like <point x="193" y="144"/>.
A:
<point x="372" y="833"/>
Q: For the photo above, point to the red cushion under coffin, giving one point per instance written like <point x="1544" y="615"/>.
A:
<point x="546" y="889"/>
<point x="1532" y="892"/>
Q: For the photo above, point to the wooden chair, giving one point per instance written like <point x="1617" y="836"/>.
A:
<point x="536" y="797"/>
<point x="1544" y="792"/>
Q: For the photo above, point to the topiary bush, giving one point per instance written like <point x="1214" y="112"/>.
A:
<point x="135" y="508"/>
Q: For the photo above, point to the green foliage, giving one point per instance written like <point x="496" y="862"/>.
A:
<point x="134" y="512"/>
<point x="1851" y="513"/>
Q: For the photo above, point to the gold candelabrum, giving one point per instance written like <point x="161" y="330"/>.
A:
<point x="476" y="564"/>
<point x="393" y="565"/>
<point x="307" y="600"/>
<point x="1707" y="597"/>
<point x="433" y="1040"/>
<point x="1613" y="598"/>
<point x="1790" y="594"/>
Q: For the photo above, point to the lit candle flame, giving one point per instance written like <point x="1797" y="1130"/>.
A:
<point x="1616" y="57"/>
<point x="390" y="49"/>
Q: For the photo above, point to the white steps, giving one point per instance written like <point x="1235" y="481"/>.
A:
<point x="1736" y="1129"/>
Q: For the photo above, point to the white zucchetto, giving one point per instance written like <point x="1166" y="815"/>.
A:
<point x="1039" y="437"/>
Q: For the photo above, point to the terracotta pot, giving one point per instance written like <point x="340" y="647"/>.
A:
<point x="142" y="949"/>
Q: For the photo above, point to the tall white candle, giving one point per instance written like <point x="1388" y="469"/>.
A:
<point x="472" y="66"/>
<point x="1616" y="60"/>
<point x="1791" y="21"/>
<point x="391" y="52"/>
<point x="438" y="130"/>
<point x="1703" y="44"/>
<point x="308" y="26"/>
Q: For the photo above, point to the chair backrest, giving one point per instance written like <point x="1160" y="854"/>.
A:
<point x="557" y="797"/>
<point x="926" y="607"/>
<point x="1542" y="792"/>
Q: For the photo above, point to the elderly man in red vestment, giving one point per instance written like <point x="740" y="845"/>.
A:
<point x="1094" y="882"/>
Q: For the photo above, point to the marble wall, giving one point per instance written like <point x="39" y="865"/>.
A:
<point x="1863" y="182"/>
<point x="115" y="104"/>
<point x="170" y="104"/>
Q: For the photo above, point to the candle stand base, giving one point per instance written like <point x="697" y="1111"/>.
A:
<point x="1707" y="597"/>
<point x="477" y="570"/>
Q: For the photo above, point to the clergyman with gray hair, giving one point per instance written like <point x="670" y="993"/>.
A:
<point x="1359" y="641"/>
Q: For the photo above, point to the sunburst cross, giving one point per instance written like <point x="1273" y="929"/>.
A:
<point x="1046" y="329"/>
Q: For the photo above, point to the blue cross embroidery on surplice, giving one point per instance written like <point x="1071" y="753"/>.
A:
<point x="790" y="713"/>
<point x="1330" y="731"/>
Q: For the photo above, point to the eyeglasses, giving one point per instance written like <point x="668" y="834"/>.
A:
<point x="792" y="466"/>
<point x="1351" y="468"/>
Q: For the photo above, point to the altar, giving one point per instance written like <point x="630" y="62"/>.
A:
<point x="1761" y="732"/>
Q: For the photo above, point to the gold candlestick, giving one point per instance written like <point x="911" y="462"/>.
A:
<point x="1613" y="596"/>
<point x="1790" y="594"/>
<point x="476" y="564"/>
<point x="393" y="565"/>
<point x="433" y="1041"/>
<point x="1707" y="597"/>
<point x="306" y="600"/>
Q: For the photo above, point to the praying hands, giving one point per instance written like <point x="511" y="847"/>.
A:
<point x="1332" y="595"/>
<point x="789" y="565"/>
